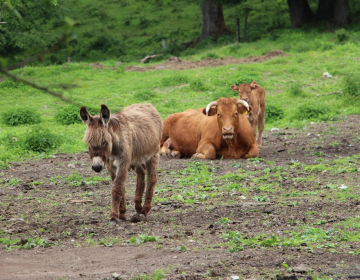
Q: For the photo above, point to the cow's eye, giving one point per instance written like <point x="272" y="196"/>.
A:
<point x="218" y="114"/>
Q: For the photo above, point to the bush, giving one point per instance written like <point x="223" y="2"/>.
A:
<point x="351" y="86"/>
<point x="68" y="115"/>
<point x="174" y="80"/>
<point x="273" y="113"/>
<point x="296" y="90"/>
<point x="342" y="35"/>
<point x="21" y="116"/>
<point x="310" y="111"/>
<point x="40" y="140"/>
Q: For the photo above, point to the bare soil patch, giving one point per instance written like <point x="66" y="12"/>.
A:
<point x="73" y="215"/>
<point x="175" y="63"/>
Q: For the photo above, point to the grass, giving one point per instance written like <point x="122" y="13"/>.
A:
<point x="109" y="85"/>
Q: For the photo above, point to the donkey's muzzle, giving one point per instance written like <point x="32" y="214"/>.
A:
<point x="97" y="168"/>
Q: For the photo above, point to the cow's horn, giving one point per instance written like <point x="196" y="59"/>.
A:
<point x="214" y="103"/>
<point x="244" y="103"/>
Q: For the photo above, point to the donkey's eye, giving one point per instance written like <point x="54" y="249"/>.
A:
<point x="104" y="144"/>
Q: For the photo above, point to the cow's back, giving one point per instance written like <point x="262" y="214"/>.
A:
<point x="144" y="129"/>
<point x="185" y="131"/>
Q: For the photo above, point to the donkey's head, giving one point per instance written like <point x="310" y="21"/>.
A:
<point x="97" y="136"/>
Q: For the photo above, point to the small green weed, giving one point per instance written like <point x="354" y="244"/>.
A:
<point x="144" y="95"/>
<point x="223" y="220"/>
<point x="198" y="85"/>
<point x="295" y="89"/>
<point x="174" y="80"/>
<point x="142" y="238"/>
<point x="74" y="179"/>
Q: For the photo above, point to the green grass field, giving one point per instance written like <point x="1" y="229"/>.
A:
<point x="296" y="92"/>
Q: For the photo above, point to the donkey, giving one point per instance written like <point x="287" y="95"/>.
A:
<point x="128" y="139"/>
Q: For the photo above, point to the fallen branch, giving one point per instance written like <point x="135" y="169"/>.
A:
<point x="334" y="92"/>
<point x="45" y="89"/>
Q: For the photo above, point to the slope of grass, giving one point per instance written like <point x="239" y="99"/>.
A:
<point x="173" y="91"/>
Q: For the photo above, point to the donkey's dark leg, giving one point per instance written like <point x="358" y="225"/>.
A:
<point x="118" y="196"/>
<point x="140" y="186"/>
<point x="151" y="169"/>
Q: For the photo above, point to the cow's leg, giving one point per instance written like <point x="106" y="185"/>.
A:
<point x="261" y="125"/>
<point x="118" y="198"/>
<point x="205" y="151"/>
<point x="151" y="170"/>
<point x="253" y="152"/>
<point x="140" y="186"/>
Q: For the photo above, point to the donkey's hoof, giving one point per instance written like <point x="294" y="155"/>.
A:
<point x="112" y="223"/>
<point x="142" y="216"/>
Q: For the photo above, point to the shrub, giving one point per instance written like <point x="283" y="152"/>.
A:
<point x="310" y="111"/>
<point x="40" y="140"/>
<point x="351" y="86"/>
<point x="174" y="80"/>
<point x="21" y="116"/>
<point x="273" y="113"/>
<point x="295" y="89"/>
<point x="68" y="115"/>
<point x="342" y="35"/>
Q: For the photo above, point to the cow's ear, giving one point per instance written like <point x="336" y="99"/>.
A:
<point x="85" y="116"/>
<point x="104" y="115"/>
<point x="212" y="111"/>
<point x="254" y="85"/>
<point x="243" y="110"/>
<point x="234" y="87"/>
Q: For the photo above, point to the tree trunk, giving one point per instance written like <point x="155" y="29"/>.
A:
<point x="341" y="12"/>
<point x="325" y="10"/>
<point x="238" y="30"/>
<point x="300" y="13"/>
<point x="335" y="11"/>
<point x="213" y="23"/>
<point x="245" y="28"/>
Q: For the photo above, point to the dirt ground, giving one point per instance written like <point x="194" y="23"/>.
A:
<point x="73" y="218"/>
<point x="175" y="63"/>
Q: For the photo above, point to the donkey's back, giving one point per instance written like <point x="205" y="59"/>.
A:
<point x="144" y="129"/>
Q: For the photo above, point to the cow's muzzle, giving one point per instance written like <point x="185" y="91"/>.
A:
<point x="245" y="99"/>
<point x="228" y="133"/>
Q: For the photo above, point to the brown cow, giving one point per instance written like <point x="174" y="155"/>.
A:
<point x="255" y="96"/>
<point x="222" y="131"/>
<point x="127" y="139"/>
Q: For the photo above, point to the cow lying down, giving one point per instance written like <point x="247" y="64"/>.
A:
<point x="220" y="129"/>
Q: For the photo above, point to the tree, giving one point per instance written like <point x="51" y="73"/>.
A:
<point x="334" y="12"/>
<point x="212" y="23"/>
<point x="300" y="13"/>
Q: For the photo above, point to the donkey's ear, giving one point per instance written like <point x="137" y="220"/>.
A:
<point x="85" y="116"/>
<point x="104" y="115"/>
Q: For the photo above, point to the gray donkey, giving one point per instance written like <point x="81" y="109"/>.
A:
<point x="128" y="139"/>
